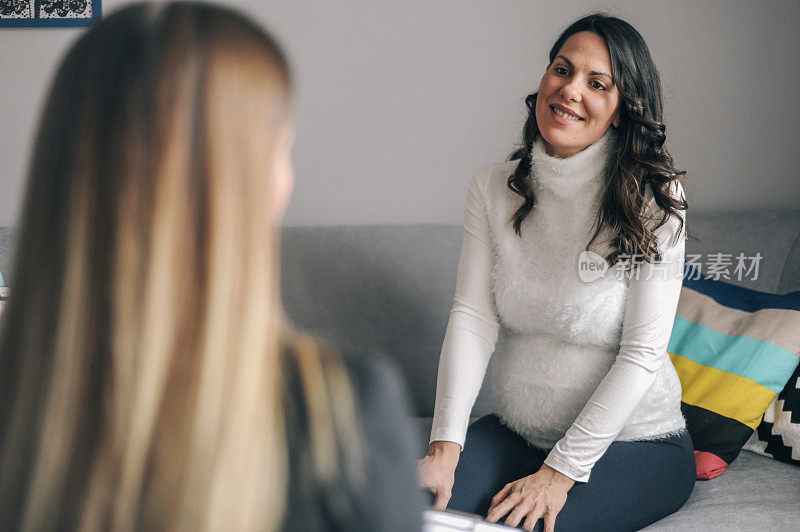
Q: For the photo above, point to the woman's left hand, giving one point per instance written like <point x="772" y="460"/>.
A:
<point x="540" y="495"/>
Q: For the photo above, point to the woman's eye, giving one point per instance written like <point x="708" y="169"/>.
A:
<point x="598" y="85"/>
<point x="561" y="70"/>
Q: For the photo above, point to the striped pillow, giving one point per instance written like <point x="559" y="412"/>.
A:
<point x="734" y="350"/>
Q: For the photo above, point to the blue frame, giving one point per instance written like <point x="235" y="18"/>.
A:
<point x="30" y="22"/>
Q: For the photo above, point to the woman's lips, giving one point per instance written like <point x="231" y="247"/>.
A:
<point x="562" y="120"/>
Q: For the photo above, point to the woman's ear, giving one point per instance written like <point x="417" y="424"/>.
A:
<point x="283" y="171"/>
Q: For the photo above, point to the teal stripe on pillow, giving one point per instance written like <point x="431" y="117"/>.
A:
<point x="762" y="362"/>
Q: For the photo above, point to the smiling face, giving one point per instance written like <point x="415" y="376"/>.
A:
<point x="577" y="99"/>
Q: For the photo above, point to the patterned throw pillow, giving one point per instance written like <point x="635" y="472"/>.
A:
<point x="734" y="350"/>
<point x="778" y="435"/>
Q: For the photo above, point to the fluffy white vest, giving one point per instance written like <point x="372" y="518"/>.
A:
<point x="560" y="335"/>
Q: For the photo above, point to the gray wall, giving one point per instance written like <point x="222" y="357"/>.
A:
<point x="400" y="102"/>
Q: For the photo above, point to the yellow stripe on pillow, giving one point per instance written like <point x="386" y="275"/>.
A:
<point x="726" y="394"/>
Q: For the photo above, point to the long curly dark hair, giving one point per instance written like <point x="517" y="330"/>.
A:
<point x="639" y="157"/>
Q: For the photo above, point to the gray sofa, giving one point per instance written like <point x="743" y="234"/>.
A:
<point x="388" y="289"/>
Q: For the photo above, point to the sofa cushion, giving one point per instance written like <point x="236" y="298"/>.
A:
<point x="774" y="235"/>
<point x="755" y="493"/>
<point x="384" y="288"/>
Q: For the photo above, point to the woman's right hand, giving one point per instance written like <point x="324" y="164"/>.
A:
<point x="437" y="470"/>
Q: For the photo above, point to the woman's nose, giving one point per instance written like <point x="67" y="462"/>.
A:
<point x="571" y="91"/>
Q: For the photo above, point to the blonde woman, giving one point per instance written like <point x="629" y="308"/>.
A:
<point x="150" y="380"/>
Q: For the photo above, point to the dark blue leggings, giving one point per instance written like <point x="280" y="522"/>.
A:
<point x="634" y="484"/>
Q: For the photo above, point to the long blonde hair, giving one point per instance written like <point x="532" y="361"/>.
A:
<point x="141" y="348"/>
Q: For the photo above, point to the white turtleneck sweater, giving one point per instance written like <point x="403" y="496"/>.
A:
<point x="579" y="364"/>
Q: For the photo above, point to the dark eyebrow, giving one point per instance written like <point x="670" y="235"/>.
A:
<point x="593" y="72"/>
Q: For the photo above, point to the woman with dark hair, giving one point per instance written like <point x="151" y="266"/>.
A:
<point x="576" y="246"/>
<point x="150" y="379"/>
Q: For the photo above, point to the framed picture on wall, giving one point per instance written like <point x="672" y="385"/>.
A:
<point x="48" y="13"/>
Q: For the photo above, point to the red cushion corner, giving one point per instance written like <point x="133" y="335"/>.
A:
<point x="709" y="465"/>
